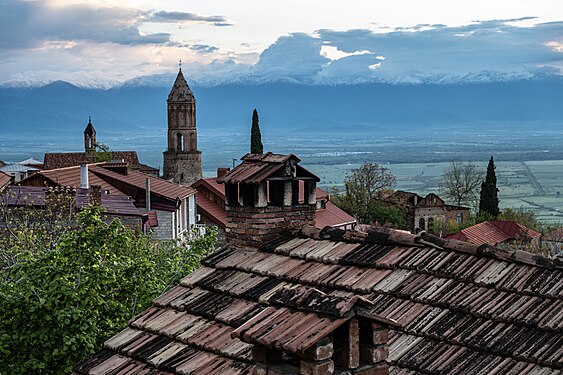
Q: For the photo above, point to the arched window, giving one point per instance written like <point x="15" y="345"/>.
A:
<point x="430" y="222"/>
<point x="180" y="142"/>
<point x="422" y="224"/>
<point x="192" y="142"/>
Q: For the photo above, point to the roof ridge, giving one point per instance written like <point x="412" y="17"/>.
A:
<point x="387" y="236"/>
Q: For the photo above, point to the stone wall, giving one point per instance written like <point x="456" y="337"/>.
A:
<point x="438" y="213"/>
<point x="182" y="167"/>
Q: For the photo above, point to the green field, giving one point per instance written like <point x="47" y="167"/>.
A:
<point x="534" y="185"/>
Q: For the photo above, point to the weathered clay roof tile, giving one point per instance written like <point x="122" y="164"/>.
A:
<point x="459" y="308"/>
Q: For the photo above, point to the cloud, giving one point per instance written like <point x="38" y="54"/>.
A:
<point x="29" y="24"/>
<point x="484" y="50"/>
<point x="163" y="16"/>
<point x="203" y="48"/>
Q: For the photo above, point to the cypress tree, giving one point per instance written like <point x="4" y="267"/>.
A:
<point x="256" y="146"/>
<point x="488" y="202"/>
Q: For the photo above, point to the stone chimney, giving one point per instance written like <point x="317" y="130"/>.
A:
<point x="262" y="198"/>
<point x="347" y="340"/>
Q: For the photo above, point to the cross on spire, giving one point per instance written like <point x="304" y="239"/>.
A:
<point x="180" y="64"/>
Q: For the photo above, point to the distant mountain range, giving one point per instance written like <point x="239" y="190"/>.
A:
<point x="137" y="104"/>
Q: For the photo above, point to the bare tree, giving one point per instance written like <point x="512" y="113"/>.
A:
<point x="461" y="183"/>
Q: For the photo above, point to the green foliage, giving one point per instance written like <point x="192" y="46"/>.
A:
<point x="365" y="188"/>
<point x="103" y="153"/>
<point x="256" y="146"/>
<point x="58" y="306"/>
<point x="488" y="202"/>
<point x="525" y="217"/>
<point x="441" y="228"/>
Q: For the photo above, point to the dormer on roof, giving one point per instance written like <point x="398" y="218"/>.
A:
<point x="181" y="92"/>
<point x="262" y="197"/>
<point x="346" y="338"/>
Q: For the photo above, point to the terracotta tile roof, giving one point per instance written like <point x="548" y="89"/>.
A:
<point x="159" y="186"/>
<point x="68" y="159"/>
<point x="494" y="232"/>
<point x="457" y="308"/>
<point x="4" y="179"/>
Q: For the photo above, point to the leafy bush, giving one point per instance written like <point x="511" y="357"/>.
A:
<point x="58" y="306"/>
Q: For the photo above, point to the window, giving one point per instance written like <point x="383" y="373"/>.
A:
<point x="459" y="218"/>
<point x="421" y="223"/>
<point x="430" y="222"/>
<point x="180" y="142"/>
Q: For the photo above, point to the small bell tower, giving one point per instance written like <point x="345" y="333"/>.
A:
<point x="90" y="140"/>
<point x="182" y="159"/>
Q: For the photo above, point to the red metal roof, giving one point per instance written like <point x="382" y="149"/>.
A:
<point x="70" y="177"/>
<point x="210" y="209"/>
<point x="494" y="232"/>
<point x="158" y="186"/>
<point x="332" y="216"/>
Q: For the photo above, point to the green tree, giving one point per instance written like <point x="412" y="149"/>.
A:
<point x="103" y="153"/>
<point x="256" y="146"/>
<point x="488" y="202"/>
<point x="58" y="306"/>
<point x="363" y="198"/>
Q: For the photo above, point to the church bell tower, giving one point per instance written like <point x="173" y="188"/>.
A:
<point x="182" y="159"/>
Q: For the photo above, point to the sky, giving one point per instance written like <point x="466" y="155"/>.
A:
<point x="100" y="42"/>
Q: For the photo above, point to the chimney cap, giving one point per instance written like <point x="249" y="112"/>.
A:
<point x="256" y="168"/>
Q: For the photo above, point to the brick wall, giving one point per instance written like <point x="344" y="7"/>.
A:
<point x="252" y="226"/>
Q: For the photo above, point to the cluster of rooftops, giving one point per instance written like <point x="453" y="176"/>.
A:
<point x="302" y="300"/>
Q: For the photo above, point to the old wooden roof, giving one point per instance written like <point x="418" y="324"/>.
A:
<point x="256" y="168"/>
<point x="461" y="308"/>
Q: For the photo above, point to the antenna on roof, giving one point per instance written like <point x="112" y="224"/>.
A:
<point x="89" y="119"/>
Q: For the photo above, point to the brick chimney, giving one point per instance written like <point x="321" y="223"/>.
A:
<point x="222" y="171"/>
<point x="262" y="198"/>
<point x="347" y="341"/>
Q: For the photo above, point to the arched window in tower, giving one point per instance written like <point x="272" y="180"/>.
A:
<point x="421" y="224"/>
<point x="192" y="141"/>
<point x="180" y="142"/>
<point x="430" y="223"/>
